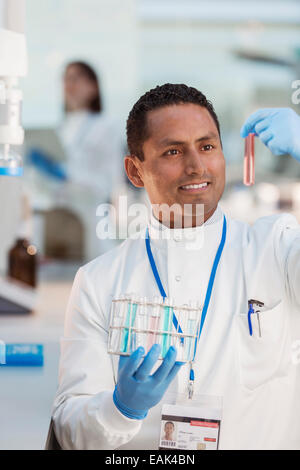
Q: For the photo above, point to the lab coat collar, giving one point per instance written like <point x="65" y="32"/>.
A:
<point x="161" y="234"/>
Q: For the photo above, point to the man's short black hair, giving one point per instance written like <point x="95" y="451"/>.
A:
<point x="164" y="95"/>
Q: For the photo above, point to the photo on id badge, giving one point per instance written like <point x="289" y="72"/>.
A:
<point x="188" y="428"/>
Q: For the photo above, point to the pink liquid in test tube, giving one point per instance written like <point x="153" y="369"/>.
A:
<point x="249" y="168"/>
<point x="152" y="336"/>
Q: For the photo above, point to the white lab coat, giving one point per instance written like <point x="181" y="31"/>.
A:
<point x="255" y="376"/>
<point x="95" y="170"/>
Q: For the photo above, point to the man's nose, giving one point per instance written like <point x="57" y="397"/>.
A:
<point x="194" y="163"/>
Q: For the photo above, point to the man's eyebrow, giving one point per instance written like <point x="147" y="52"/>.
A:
<point x="167" y="141"/>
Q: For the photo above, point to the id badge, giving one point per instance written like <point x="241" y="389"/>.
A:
<point x="191" y="424"/>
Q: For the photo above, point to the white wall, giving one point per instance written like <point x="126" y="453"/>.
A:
<point x="137" y="44"/>
<point x="102" y="32"/>
<point x="194" y="42"/>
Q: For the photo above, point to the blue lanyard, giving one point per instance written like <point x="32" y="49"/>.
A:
<point x="157" y="278"/>
<point x="208" y="291"/>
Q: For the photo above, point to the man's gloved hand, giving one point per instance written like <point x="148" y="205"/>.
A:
<point x="278" y="128"/>
<point x="137" y="391"/>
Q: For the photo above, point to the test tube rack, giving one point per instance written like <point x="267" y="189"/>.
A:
<point x="137" y="321"/>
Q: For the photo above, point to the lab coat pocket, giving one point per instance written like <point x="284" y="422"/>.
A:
<point x="265" y="355"/>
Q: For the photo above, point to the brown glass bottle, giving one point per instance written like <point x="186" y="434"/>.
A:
<point x="22" y="262"/>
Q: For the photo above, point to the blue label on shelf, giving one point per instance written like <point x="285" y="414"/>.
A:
<point x="23" y="355"/>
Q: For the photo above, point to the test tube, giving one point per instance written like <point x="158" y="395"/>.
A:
<point x="134" y="312"/>
<point x="153" y="322"/>
<point x="112" y="338"/>
<point x="185" y="325"/>
<point x="144" y="323"/>
<point x="167" y="326"/>
<point x="178" y="341"/>
<point x="138" y="325"/>
<point x="249" y="169"/>
<point x="116" y="323"/>
<point x="123" y="313"/>
<point x="128" y="338"/>
<point x="160" y="327"/>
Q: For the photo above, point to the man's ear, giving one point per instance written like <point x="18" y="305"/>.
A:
<point x="132" y="167"/>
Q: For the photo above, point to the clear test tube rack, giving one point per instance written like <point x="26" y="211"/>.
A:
<point x="136" y="322"/>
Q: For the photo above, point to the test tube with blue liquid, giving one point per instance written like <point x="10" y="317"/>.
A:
<point x="191" y="328"/>
<point x="167" y="325"/>
<point x="116" y="324"/>
<point x="129" y="336"/>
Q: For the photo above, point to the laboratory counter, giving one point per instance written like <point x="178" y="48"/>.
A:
<point x="27" y="393"/>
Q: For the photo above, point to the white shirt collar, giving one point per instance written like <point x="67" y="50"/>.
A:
<point x="182" y="236"/>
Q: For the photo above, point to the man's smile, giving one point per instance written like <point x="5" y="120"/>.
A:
<point x="195" y="187"/>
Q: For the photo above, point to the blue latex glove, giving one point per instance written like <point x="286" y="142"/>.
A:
<point x="137" y="391"/>
<point x="46" y="165"/>
<point x="278" y="128"/>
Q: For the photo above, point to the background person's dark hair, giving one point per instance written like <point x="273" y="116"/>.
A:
<point x="164" y="95"/>
<point x="95" y="105"/>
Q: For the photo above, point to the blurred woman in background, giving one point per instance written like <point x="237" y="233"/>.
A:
<point x="92" y="145"/>
<point x="86" y="132"/>
<point x="93" y="151"/>
<point x="90" y="174"/>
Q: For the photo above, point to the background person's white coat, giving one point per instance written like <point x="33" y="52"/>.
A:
<point x="94" y="169"/>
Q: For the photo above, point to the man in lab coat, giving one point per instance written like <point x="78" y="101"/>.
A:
<point x="176" y="155"/>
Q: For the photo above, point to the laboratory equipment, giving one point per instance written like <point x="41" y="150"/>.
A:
<point x="22" y="257"/>
<point x="23" y="262"/>
<point x="140" y="322"/>
<point x="249" y="168"/>
<point x="13" y="64"/>
<point x="10" y="162"/>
